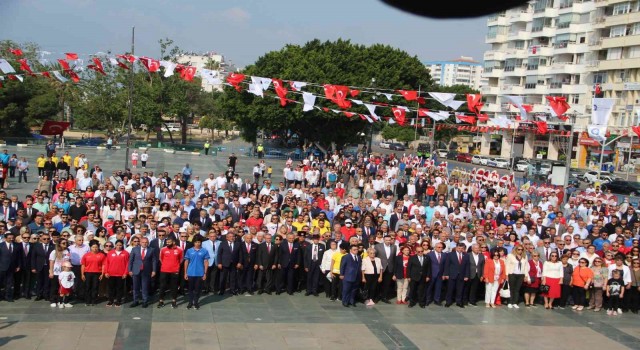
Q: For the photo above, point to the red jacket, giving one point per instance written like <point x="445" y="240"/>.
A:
<point x="117" y="265"/>
<point x="93" y="262"/>
<point x="170" y="259"/>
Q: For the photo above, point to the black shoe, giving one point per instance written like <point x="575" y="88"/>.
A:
<point x="174" y="304"/>
<point x="269" y="292"/>
<point x="160" y="305"/>
<point x="134" y="304"/>
<point x="412" y="304"/>
<point x="189" y="306"/>
<point x="38" y="298"/>
<point x="447" y="305"/>
<point x="260" y="292"/>
<point x="353" y="305"/>
<point x="307" y="294"/>
<point x="460" y="305"/>
<point x="332" y="299"/>
<point x="439" y="303"/>
<point x="316" y="294"/>
<point x="474" y="304"/>
<point x="118" y="304"/>
<point x="386" y="301"/>
<point x="422" y="306"/>
<point x="28" y="298"/>
<point x="197" y="306"/>
<point x="234" y="293"/>
<point x="345" y="305"/>
<point x="278" y="293"/>
<point x="110" y="303"/>
<point x="221" y="292"/>
<point x="290" y="293"/>
<point x="428" y="303"/>
<point x="145" y="305"/>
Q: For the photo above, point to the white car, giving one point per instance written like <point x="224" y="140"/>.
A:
<point x="522" y="165"/>
<point x="500" y="163"/>
<point x="545" y="168"/>
<point x="442" y="153"/>
<point x="484" y="160"/>
<point x="476" y="159"/>
<point x="385" y="144"/>
<point x="592" y="176"/>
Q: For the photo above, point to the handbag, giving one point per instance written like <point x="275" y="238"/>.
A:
<point x="505" y="292"/>
<point x="543" y="288"/>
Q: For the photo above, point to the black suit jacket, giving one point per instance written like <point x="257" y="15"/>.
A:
<point x="309" y="253"/>
<point x="401" y="189"/>
<point x="226" y="256"/>
<point x="10" y="259"/>
<point x="25" y="258"/>
<point x="419" y="272"/>
<point x="393" y="220"/>
<point x="248" y="259"/>
<point x="455" y="269"/>
<point x="286" y="259"/>
<point x="267" y="258"/>
<point x="118" y="197"/>
<point x="40" y="257"/>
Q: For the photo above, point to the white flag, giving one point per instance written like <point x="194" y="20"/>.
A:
<point x="211" y="76"/>
<point x="309" y="101"/>
<point x="518" y="101"/>
<point x="298" y="85"/>
<point x="59" y="76"/>
<point x="598" y="132"/>
<point x="372" y="110"/>
<point x="44" y="61"/>
<point x="389" y="97"/>
<point x="502" y="121"/>
<point x="168" y="68"/>
<point x="256" y="89"/>
<point x="5" y="67"/>
<point x="454" y="104"/>
<point x="438" y="116"/>
<point x="358" y="102"/>
<point x="20" y="77"/>
<point x="367" y="118"/>
<point x="265" y="82"/>
<point x="442" y="97"/>
<point x="601" y="110"/>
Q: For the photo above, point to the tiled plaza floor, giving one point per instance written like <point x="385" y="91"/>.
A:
<point x="298" y="322"/>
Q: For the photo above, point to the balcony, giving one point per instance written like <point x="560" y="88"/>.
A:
<point x="547" y="12"/>
<point x="626" y="63"/>
<point x="497" y="38"/>
<point x="494" y="56"/>
<point x="520" y="35"/>
<point x="574" y="89"/>
<point x="494" y="72"/>
<point x="629" y="40"/>
<point x="544" y="51"/>
<point x="522" y="16"/>
<point x="622" y="19"/>
<point x="546" y="31"/>
<point x="601" y="3"/>
<point x="491" y="108"/>
<point x="567" y="68"/>
<point x="583" y="7"/>
<point x="514" y="71"/>
<point x="517" y="53"/>
<point x="490" y="90"/>
<point x="513" y="89"/>
<point x="497" y="21"/>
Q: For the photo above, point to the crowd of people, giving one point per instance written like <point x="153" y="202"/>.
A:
<point x="358" y="229"/>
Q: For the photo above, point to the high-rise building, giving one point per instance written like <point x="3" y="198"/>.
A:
<point x="209" y="60"/>
<point x="460" y="71"/>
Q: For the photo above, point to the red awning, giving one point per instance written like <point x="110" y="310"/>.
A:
<point x="587" y="141"/>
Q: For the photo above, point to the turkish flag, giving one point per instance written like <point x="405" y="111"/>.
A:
<point x="46" y="74"/>
<point x="636" y="129"/>
<point x="16" y="52"/>
<point x="71" y="56"/>
<point x="527" y="108"/>
<point x="281" y="90"/>
<point x="341" y="92"/>
<point x="73" y="75"/>
<point x="24" y="65"/>
<point x="409" y="95"/>
<point x="187" y="73"/>
<point x="348" y="114"/>
<point x="151" y="64"/>
<point x="354" y="93"/>
<point x="128" y="57"/>
<point x="399" y="114"/>
<point x="558" y="104"/>
<point x="235" y="79"/>
<point x="474" y="102"/>
<point x="329" y="91"/>
<point x="64" y="64"/>
<point x="97" y="66"/>
<point x="483" y="118"/>
<point x="52" y="127"/>
<point x="466" y="118"/>
<point x="422" y="112"/>
<point x="542" y="127"/>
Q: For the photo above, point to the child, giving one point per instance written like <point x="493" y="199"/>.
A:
<point x="615" y="292"/>
<point x="269" y="171"/>
<point x="66" y="278"/>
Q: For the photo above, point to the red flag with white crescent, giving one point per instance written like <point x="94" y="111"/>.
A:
<point x="340" y="98"/>
<point x="52" y="127"/>
<point x="16" y="52"/>
<point x="71" y="56"/>
<point x="281" y="90"/>
<point x="187" y="73"/>
<point x="422" y="112"/>
<point x="235" y="79"/>
<point x="399" y="115"/>
<point x="409" y="95"/>
<point x="97" y="66"/>
<point x="24" y="65"/>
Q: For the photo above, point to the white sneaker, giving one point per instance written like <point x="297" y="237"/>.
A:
<point x="510" y="306"/>
<point x="515" y="306"/>
<point x="620" y="311"/>
<point x="609" y="312"/>
<point x="614" y="313"/>
<point x="68" y="305"/>
<point x="574" y="307"/>
<point x="53" y="305"/>
<point x="61" y="305"/>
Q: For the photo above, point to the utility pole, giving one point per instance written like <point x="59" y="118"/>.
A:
<point x="126" y="159"/>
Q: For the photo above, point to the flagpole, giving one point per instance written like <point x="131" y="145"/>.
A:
<point x="126" y="159"/>
<point x="415" y="135"/>
<point x="629" y="159"/>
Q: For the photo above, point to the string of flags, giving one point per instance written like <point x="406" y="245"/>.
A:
<point x="344" y="97"/>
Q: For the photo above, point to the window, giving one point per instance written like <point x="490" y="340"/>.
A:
<point x="617" y="31"/>
<point x="622" y="8"/>
<point x="599" y="78"/>
<point x="634" y="51"/>
<point x="575" y="99"/>
<point x="519" y="45"/>
<point x="634" y="29"/>
<point x="614" y="53"/>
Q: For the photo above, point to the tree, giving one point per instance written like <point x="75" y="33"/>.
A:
<point x="447" y="135"/>
<point x="28" y="103"/>
<point x="340" y="63"/>
<point x="399" y="133"/>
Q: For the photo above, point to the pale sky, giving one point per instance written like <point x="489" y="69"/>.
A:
<point x="240" y="30"/>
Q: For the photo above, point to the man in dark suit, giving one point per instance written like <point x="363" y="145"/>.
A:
<point x="476" y="271"/>
<point x="289" y="259"/>
<point x="419" y="272"/>
<point x="204" y="220"/>
<point x="228" y="263"/>
<point x="235" y="210"/>
<point x="266" y="260"/>
<point x="312" y="260"/>
<point x="394" y="218"/>
<point x="367" y="229"/>
<point x="248" y="264"/>
<point x="143" y="266"/>
<point x="387" y="253"/>
<point x="40" y="265"/>
<point x="10" y="261"/>
<point x="7" y="211"/>
<point x="401" y="188"/>
<point x="434" y="287"/>
<point x="351" y="275"/>
<point x="456" y="270"/>
<point x="121" y="197"/>
<point x="25" y="278"/>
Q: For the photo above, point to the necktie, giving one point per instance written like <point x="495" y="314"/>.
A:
<point x="248" y="248"/>
<point x="354" y="258"/>
<point x="144" y="251"/>
<point x="420" y="258"/>
<point x="26" y="249"/>
<point x="231" y="246"/>
<point x="143" y="254"/>
<point x="182" y="245"/>
<point x="29" y="212"/>
<point x="547" y="253"/>
<point x="10" y="248"/>
<point x="459" y="258"/>
<point x="290" y="248"/>
<point x="268" y="248"/>
<point x="438" y="257"/>
<point x="315" y="252"/>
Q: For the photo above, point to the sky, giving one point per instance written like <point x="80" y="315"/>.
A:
<point x="241" y="30"/>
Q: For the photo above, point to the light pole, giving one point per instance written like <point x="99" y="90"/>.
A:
<point x="126" y="159"/>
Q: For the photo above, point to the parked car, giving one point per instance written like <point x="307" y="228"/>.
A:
<point x="396" y="146"/>
<point x="522" y="165"/>
<point x="498" y="163"/>
<point x="631" y="188"/>
<point x="423" y="148"/>
<point x="545" y="169"/>
<point x="452" y="154"/>
<point x="385" y="144"/>
<point x="464" y="157"/>
<point x="442" y="153"/>
<point x="592" y="176"/>
<point x="477" y="159"/>
<point x="484" y="160"/>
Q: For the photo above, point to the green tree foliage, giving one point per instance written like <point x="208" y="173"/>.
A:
<point x="447" y="134"/>
<point x="28" y="103"/>
<point x="399" y="133"/>
<point x="339" y="63"/>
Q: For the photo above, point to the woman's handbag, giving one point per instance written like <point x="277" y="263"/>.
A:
<point x="543" y="288"/>
<point x="505" y="292"/>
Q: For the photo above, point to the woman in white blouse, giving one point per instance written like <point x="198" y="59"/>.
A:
<point x="371" y="274"/>
<point x="517" y="272"/>
<point x="552" y="273"/>
<point x="325" y="265"/>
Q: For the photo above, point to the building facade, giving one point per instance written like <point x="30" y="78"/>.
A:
<point x="461" y="71"/>
<point x="209" y="60"/>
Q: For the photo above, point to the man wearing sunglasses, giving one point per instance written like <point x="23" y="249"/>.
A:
<point x="40" y="265"/>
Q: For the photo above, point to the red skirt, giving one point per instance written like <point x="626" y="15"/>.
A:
<point x="554" y="288"/>
<point x="64" y="291"/>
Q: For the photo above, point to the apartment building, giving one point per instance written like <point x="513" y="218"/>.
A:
<point x="209" y="60"/>
<point x="460" y="71"/>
